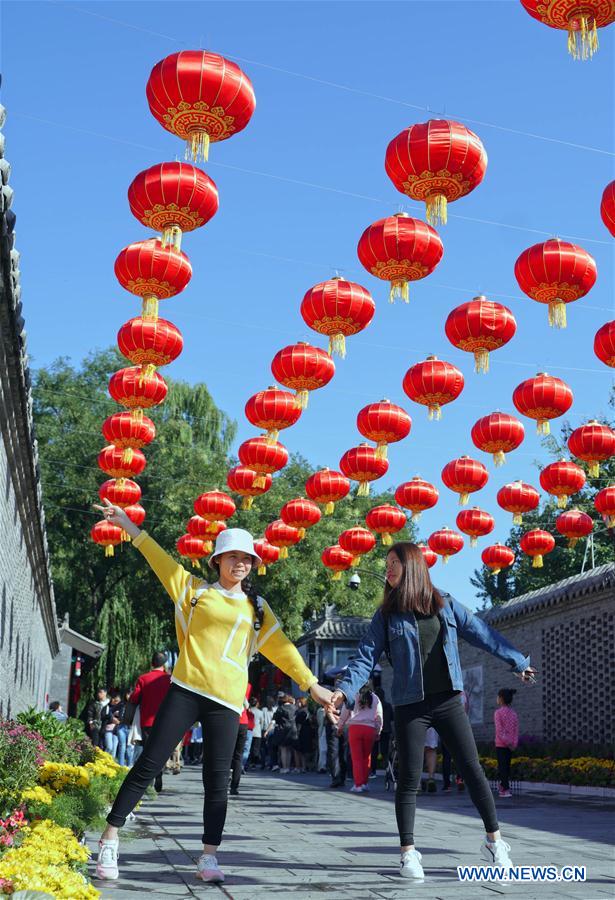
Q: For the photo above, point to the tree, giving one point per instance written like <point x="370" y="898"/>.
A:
<point x="563" y="562"/>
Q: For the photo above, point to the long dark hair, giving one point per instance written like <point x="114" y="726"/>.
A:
<point x="415" y="592"/>
<point x="247" y="586"/>
<point x="366" y="697"/>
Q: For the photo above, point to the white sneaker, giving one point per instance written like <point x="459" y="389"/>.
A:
<point x="284" y="771"/>
<point x="355" y="790"/>
<point x="364" y="789"/>
<point x="410" y="865"/>
<point x="496" y="852"/>
<point x="275" y="768"/>
<point x="108" y="855"/>
<point x="208" y="868"/>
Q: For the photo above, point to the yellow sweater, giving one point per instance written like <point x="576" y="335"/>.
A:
<point x="216" y="635"/>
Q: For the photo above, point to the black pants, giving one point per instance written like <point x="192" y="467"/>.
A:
<point x="504" y="756"/>
<point x="255" y="751"/>
<point x="336" y="754"/>
<point x="381" y="749"/>
<point x="446" y="714"/>
<point x="240" y="743"/>
<point x="179" y="710"/>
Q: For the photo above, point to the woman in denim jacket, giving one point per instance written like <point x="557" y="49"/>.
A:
<point x="419" y="627"/>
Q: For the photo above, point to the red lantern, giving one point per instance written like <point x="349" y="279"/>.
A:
<point x="120" y="491"/>
<point x="498" y="434"/>
<point x="385" y="520"/>
<point x="542" y="398"/>
<point x="242" y="480"/>
<point x="574" y="525"/>
<point x="136" y="514"/>
<point x="399" y="250"/>
<point x="607" y="207"/>
<point x="580" y="20"/>
<point x="557" y="273"/>
<point x="363" y="464"/>
<point x="593" y="443"/>
<point x="429" y="556"/>
<point x="384" y="423"/>
<point x="263" y="456"/>
<point x="302" y="368"/>
<point x="150" y="342"/>
<point x="445" y="543"/>
<point x="416" y="495"/>
<point x="173" y="197"/>
<point x="327" y="487"/>
<point x="300" y="514"/>
<point x="338" y="308"/>
<point x="268" y="554"/>
<point x="127" y="433"/>
<point x="497" y="557"/>
<point x="464" y="476"/>
<point x="480" y="327"/>
<point x="433" y="383"/>
<point x="537" y="543"/>
<point x="214" y="506"/>
<point x="518" y="497"/>
<point x="206" y="530"/>
<point x="107" y="535"/>
<point x="604" y="501"/>
<point x="357" y="541"/>
<point x="562" y="479"/>
<point x="111" y="461"/>
<point x="436" y="162"/>
<point x="201" y="97"/>
<point x="137" y="390"/>
<point x="272" y="410"/>
<point x="152" y="272"/>
<point x="604" y="344"/>
<point x="475" y="522"/>
<point x="192" y="548"/>
<point x="282" y="535"/>
<point x="337" y="560"/>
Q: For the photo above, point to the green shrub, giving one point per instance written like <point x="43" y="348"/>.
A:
<point x="22" y="750"/>
<point x="66" y="741"/>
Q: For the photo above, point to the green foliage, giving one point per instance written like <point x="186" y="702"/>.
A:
<point x="564" y="561"/>
<point x="21" y="752"/>
<point x="65" y="740"/>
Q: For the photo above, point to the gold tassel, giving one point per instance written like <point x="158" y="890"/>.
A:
<point x="463" y="498"/>
<point x="363" y="489"/>
<point x="301" y="398"/>
<point x="473" y="541"/>
<point x="337" y="576"/>
<point x="247" y="502"/>
<point x="557" y="313"/>
<point x="301" y="532"/>
<point x="260" y="481"/>
<point x="499" y="458"/>
<point x="401" y="289"/>
<point x="416" y="515"/>
<point x="120" y="482"/>
<point x="436" y="207"/>
<point x="588" y="39"/>
<point x="197" y="146"/>
<point x="594" y="468"/>
<point x="543" y="426"/>
<point x="146" y="372"/>
<point x="337" y="345"/>
<point x="329" y="507"/>
<point x="496" y="571"/>
<point x="445" y="560"/>
<point x="195" y="564"/>
<point x="127" y="455"/>
<point x="356" y="560"/>
<point x="172" y="237"/>
<point x="208" y="546"/>
<point x="149" y="307"/>
<point x="136" y="415"/>
<point x="435" y="412"/>
<point x="537" y="562"/>
<point x="272" y="436"/>
<point x="125" y="537"/>
<point x="518" y="518"/>
<point x="610" y="521"/>
<point x="387" y="540"/>
<point x="381" y="451"/>
<point x="109" y="550"/>
<point x="262" y="570"/>
<point x="481" y="361"/>
<point x="283" y="552"/>
<point x="572" y="542"/>
<point x="562" y="501"/>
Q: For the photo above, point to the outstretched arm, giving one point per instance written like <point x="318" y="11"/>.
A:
<point x="477" y="632"/>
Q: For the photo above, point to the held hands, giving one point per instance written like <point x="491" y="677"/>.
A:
<point x="321" y="695"/>
<point x="528" y="676"/>
<point x="333" y="708"/>
<point x="116" y="516"/>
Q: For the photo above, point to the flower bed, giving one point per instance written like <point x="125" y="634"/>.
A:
<point x="53" y="786"/>
<point x="584" y="770"/>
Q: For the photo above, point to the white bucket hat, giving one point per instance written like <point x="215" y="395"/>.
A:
<point x="235" y="539"/>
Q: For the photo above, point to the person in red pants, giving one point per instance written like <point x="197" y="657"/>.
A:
<point x="364" y="727"/>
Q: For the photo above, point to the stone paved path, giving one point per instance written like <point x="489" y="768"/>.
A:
<point x="291" y="837"/>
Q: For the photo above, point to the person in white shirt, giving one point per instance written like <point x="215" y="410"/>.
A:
<point x="257" y="733"/>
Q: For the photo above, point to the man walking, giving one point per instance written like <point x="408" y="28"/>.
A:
<point x="150" y="690"/>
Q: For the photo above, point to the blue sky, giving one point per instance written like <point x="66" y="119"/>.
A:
<point x="334" y="83"/>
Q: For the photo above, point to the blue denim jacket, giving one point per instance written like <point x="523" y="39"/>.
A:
<point x="457" y="621"/>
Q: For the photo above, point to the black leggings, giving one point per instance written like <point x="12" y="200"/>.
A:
<point x="504" y="755"/>
<point x="446" y="714"/>
<point x="179" y="710"/>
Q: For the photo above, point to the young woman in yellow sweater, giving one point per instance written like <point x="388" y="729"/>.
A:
<point x="219" y="628"/>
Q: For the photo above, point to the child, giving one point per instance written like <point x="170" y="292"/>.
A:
<point x="506" y="737"/>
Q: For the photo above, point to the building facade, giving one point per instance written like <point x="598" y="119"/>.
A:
<point x="29" y="637"/>
<point x="568" y="630"/>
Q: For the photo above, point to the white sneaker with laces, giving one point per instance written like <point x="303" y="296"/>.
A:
<point x="496" y="852"/>
<point x="410" y="865"/>
<point x="108" y="855"/>
<point x="208" y="868"/>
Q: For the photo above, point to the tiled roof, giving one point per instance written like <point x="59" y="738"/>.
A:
<point x="593" y="580"/>
<point x="348" y="628"/>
